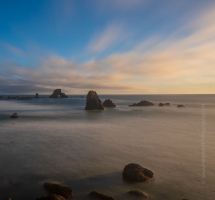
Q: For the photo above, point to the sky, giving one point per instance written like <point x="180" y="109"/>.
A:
<point x="110" y="46"/>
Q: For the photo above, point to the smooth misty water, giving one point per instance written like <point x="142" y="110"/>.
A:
<point x="57" y="140"/>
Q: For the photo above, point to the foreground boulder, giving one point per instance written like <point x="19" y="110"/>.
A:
<point x="14" y="115"/>
<point x="51" y="197"/>
<point x="58" y="189"/>
<point x="58" y="94"/>
<point x="108" y="103"/>
<point x="164" y="104"/>
<point x="97" y="195"/>
<point x="135" y="172"/>
<point x="181" y="106"/>
<point x="93" y="102"/>
<point x="138" y="193"/>
<point x="143" y="103"/>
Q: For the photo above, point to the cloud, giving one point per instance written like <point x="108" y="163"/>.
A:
<point x="12" y="49"/>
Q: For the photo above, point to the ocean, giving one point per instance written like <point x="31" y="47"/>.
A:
<point x="57" y="140"/>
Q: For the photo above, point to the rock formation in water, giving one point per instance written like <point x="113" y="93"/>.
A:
<point x="51" y="197"/>
<point x="181" y="106"/>
<point x="108" y="103"/>
<point x="100" y="196"/>
<point x="25" y="98"/>
<point x="135" y="172"/>
<point x="58" y="94"/>
<point x="164" y="104"/>
<point x="36" y="96"/>
<point x="58" y="189"/>
<point x="93" y="102"/>
<point x="14" y="115"/>
<point x="143" y="103"/>
<point x="138" y="194"/>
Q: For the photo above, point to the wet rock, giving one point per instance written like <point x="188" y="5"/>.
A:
<point x="97" y="195"/>
<point x="138" y="193"/>
<point x="164" y="104"/>
<point x="56" y="188"/>
<point x="108" y="103"/>
<point x="93" y="102"/>
<point x="180" y="106"/>
<point x="143" y="103"/>
<point x="135" y="172"/>
<point x="14" y="115"/>
<point x="58" y="94"/>
<point x="51" y="197"/>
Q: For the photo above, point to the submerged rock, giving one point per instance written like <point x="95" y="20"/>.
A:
<point x="100" y="196"/>
<point x="58" y="94"/>
<point x="93" y="102"/>
<point x="181" y="106"/>
<point x="14" y="115"/>
<point x="138" y="193"/>
<point x="143" y="103"/>
<point x="164" y="104"/>
<point x="108" y="103"/>
<point x="135" y="172"/>
<point x="55" y="188"/>
<point x="51" y="197"/>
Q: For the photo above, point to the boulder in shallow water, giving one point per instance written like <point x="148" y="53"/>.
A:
<point x="51" y="197"/>
<point x="138" y="194"/>
<point x="108" y="103"/>
<point x="97" y="195"/>
<point x="143" y="103"/>
<point x="93" y="102"/>
<point x="56" y="188"/>
<point x="135" y="172"/>
<point x="14" y="115"/>
<point x="164" y="104"/>
<point x="181" y="106"/>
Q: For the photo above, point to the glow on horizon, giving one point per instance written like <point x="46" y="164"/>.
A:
<point x="113" y="47"/>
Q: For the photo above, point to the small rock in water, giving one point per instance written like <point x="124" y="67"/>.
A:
<point x="138" y="193"/>
<point x="181" y="106"/>
<point x="14" y="115"/>
<point x="143" y="103"/>
<point x="100" y="196"/>
<point x="56" y="188"/>
<point x="164" y="104"/>
<point x="108" y="103"/>
<point x="135" y="172"/>
<point x="51" y="197"/>
<point x="93" y="101"/>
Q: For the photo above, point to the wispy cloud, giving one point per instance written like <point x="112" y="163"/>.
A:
<point x="12" y="49"/>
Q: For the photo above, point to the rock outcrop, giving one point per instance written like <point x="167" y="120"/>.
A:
<point x="143" y="103"/>
<point x="58" y="189"/>
<point x="93" y="102"/>
<point x="181" y="106"/>
<point x="14" y="115"/>
<point x="108" y="103"/>
<point x="164" y="104"/>
<point x="51" y="197"/>
<point x="36" y="96"/>
<point x="138" y="194"/>
<point x="135" y="172"/>
<point x="97" y="195"/>
<point x="58" y="94"/>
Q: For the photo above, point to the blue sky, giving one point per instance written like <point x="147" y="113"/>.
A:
<point x="111" y="46"/>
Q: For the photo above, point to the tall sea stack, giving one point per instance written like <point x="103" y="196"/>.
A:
<point x="93" y="102"/>
<point x="58" y="94"/>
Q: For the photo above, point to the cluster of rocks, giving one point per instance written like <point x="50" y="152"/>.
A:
<point x="58" y="94"/>
<point x="143" y="103"/>
<point x="164" y="104"/>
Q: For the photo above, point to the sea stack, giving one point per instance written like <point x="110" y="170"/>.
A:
<point x="108" y="103"/>
<point x="36" y="96"/>
<point x="143" y="103"/>
<point x="58" y="94"/>
<point x="93" y="102"/>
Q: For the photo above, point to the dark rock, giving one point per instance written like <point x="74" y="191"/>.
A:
<point x="24" y="98"/>
<point x="93" y="102"/>
<point x="58" y="94"/>
<point x="138" y="193"/>
<point x="180" y="106"/>
<point x="82" y="96"/>
<point x="108" y="103"/>
<point x="55" y="188"/>
<point x="51" y="197"/>
<point x="12" y="98"/>
<point x="164" y="104"/>
<point x="100" y="196"/>
<point x="1" y="97"/>
<point x="143" y="103"/>
<point x="135" y="172"/>
<point x="8" y="199"/>
<point x="36" y="96"/>
<point x="14" y="115"/>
